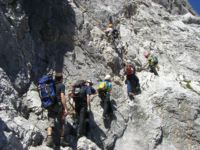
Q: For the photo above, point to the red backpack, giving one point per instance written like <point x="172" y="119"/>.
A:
<point x="129" y="69"/>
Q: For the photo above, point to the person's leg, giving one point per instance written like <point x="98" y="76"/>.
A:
<point x="62" y="139"/>
<point x="110" y="110"/>
<point x="138" y="90"/>
<point x="51" y="124"/>
<point x="105" y="108"/>
<point x="153" y="69"/>
<point x="81" y="126"/>
<point x="129" y="86"/>
<point x="49" y="131"/>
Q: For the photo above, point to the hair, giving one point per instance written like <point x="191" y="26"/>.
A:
<point x="58" y="78"/>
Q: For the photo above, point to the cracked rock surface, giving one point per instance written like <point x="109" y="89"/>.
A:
<point x="39" y="37"/>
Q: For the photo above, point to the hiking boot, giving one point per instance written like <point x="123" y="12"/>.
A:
<point x="49" y="141"/>
<point x="131" y="95"/>
<point x="63" y="143"/>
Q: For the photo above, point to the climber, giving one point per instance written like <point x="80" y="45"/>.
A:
<point x="109" y="30"/>
<point x="81" y="97"/>
<point x="111" y="33"/>
<point x="152" y="62"/>
<point x="57" y="113"/>
<point x="132" y="81"/>
<point x="104" y="91"/>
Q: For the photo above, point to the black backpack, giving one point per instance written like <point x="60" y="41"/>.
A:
<point x="77" y="90"/>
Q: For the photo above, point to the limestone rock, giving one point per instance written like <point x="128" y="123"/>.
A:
<point x="39" y="37"/>
<point x="85" y="144"/>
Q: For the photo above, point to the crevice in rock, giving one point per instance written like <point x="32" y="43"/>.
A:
<point x="159" y="139"/>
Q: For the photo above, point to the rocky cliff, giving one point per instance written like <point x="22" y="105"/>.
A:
<point x="39" y="37"/>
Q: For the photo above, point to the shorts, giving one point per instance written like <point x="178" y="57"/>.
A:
<point x="55" y="115"/>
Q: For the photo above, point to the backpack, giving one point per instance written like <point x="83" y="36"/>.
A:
<point x="105" y="86"/>
<point x="47" y="91"/>
<point x="129" y="70"/>
<point x="77" y="89"/>
<point x="154" y="59"/>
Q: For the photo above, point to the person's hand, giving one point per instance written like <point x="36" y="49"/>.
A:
<point x="65" y="113"/>
<point x="89" y="108"/>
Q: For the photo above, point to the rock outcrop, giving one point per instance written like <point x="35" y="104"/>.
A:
<point x="39" y="37"/>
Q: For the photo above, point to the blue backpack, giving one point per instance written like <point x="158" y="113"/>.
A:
<point x="47" y="91"/>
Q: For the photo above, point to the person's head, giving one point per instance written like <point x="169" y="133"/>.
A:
<point x="59" y="77"/>
<point x="110" y="25"/>
<point x="146" y="54"/>
<point x="89" y="82"/>
<point x="107" y="77"/>
<point x="128" y="61"/>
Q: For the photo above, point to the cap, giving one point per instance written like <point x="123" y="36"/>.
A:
<point x="89" y="81"/>
<point x="107" y="77"/>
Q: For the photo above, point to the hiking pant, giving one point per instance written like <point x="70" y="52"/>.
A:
<point x="81" y="112"/>
<point x="153" y="69"/>
<point x="56" y="121"/>
<point x="55" y="116"/>
<point x="105" y="102"/>
<point x="132" y="83"/>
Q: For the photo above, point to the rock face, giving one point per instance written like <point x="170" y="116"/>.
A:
<point x="39" y="37"/>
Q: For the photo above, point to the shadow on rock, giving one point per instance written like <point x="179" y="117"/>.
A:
<point x="111" y="116"/>
<point x="41" y="35"/>
<point x="8" y="140"/>
<point x="95" y="134"/>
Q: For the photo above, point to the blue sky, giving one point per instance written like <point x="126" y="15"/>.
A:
<point x="196" y="5"/>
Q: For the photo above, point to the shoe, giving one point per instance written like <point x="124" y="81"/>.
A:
<point x="63" y="143"/>
<point x="131" y="95"/>
<point x="49" y="141"/>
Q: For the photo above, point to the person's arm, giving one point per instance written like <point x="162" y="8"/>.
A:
<point x="88" y="102"/>
<point x="88" y="91"/>
<point x="63" y="99"/>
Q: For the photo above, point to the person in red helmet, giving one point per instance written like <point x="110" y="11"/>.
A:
<point x="132" y="81"/>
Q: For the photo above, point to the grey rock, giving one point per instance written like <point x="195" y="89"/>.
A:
<point x="38" y="37"/>
<point x="84" y="144"/>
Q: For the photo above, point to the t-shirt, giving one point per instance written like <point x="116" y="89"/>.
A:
<point x="90" y="90"/>
<point x="60" y="88"/>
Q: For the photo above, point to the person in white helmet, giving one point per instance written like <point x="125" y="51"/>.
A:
<point x="104" y="91"/>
